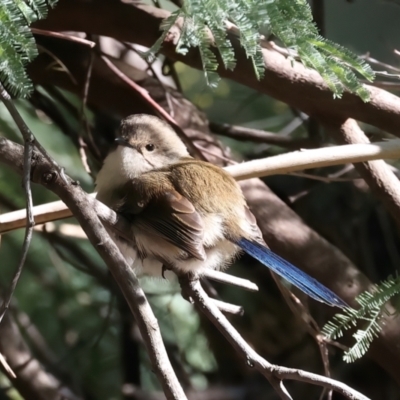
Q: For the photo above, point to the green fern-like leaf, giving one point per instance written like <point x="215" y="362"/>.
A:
<point x="342" y="54"/>
<point x="165" y="27"/>
<point x="200" y="38"/>
<point x="39" y="7"/>
<point x="313" y="59"/>
<point x="239" y="13"/>
<point x="363" y="339"/>
<point x="292" y="23"/>
<point x="27" y="12"/>
<point x="213" y="15"/>
<point x="289" y="20"/>
<point x="17" y="45"/>
<point x="372" y="305"/>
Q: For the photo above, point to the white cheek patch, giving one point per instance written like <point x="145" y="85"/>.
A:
<point x="133" y="162"/>
<point x="120" y="166"/>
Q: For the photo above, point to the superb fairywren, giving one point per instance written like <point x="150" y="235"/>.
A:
<point x="187" y="215"/>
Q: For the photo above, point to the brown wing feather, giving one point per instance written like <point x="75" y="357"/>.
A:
<point x="160" y="210"/>
<point x="257" y="235"/>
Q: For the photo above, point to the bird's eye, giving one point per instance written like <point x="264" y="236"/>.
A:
<point x="150" y="147"/>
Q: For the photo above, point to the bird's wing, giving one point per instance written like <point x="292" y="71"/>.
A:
<point x="255" y="230"/>
<point x="157" y="208"/>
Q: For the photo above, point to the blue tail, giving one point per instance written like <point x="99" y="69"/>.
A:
<point x="292" y="274"/>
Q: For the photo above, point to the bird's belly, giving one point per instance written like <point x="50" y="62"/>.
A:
<point x="148" y="266"/>
<point x="154" y="251"/>
<point x="126" y="249"/>
<point x="218" y="256"/>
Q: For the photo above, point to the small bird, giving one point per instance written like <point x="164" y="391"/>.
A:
<point x="187" y="215"/>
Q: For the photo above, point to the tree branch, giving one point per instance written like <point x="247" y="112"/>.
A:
<point x="281" y="164"/>
<point x="260" y="136"/>
<point x="315" y="158"/>
<point x="29" y="140"/>
<point x="219" y="276"/>
<point x="286" y="80"/>
<point x="275" y="374"/>
<point x="379" y="177"/>
<point x="82" y="207"/>
<point x="32" y="380"/>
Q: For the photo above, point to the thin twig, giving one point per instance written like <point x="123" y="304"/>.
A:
<point x="30" y="222"/>
<point x="222" y="277"/>
<point x="275" y="374"/>
<point x="228" y="307"/>
<point x="157" y="108"/>
<point x="83" y="119"/>
<point x="64" y="36"/>
<point x="260" y="136"/>
<point x="8" y="370"/>
<point x="57" y="61"/>
<point x="372" y="60"/>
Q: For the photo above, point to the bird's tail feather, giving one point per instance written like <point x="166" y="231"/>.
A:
<point x="292" y="274"/>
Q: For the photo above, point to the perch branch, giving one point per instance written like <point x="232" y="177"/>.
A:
<point x="82" y="207"/>
<point x="281" y="164"/>
<point x="315" y="158"/>
<point x="275" y="374"/>
<point x="219" y="276"/>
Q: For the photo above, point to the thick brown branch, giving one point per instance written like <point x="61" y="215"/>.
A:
<point x="284" y="79"/>
<point x="32" y="381"/>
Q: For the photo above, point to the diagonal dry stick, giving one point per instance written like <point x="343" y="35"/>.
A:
<point x="84" y="209"/>
<point x="377" y="174"/>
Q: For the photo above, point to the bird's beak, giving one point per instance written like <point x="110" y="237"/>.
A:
<point x="122" y="142"/>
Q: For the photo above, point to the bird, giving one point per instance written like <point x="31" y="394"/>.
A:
<point x="185" y="214"/>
